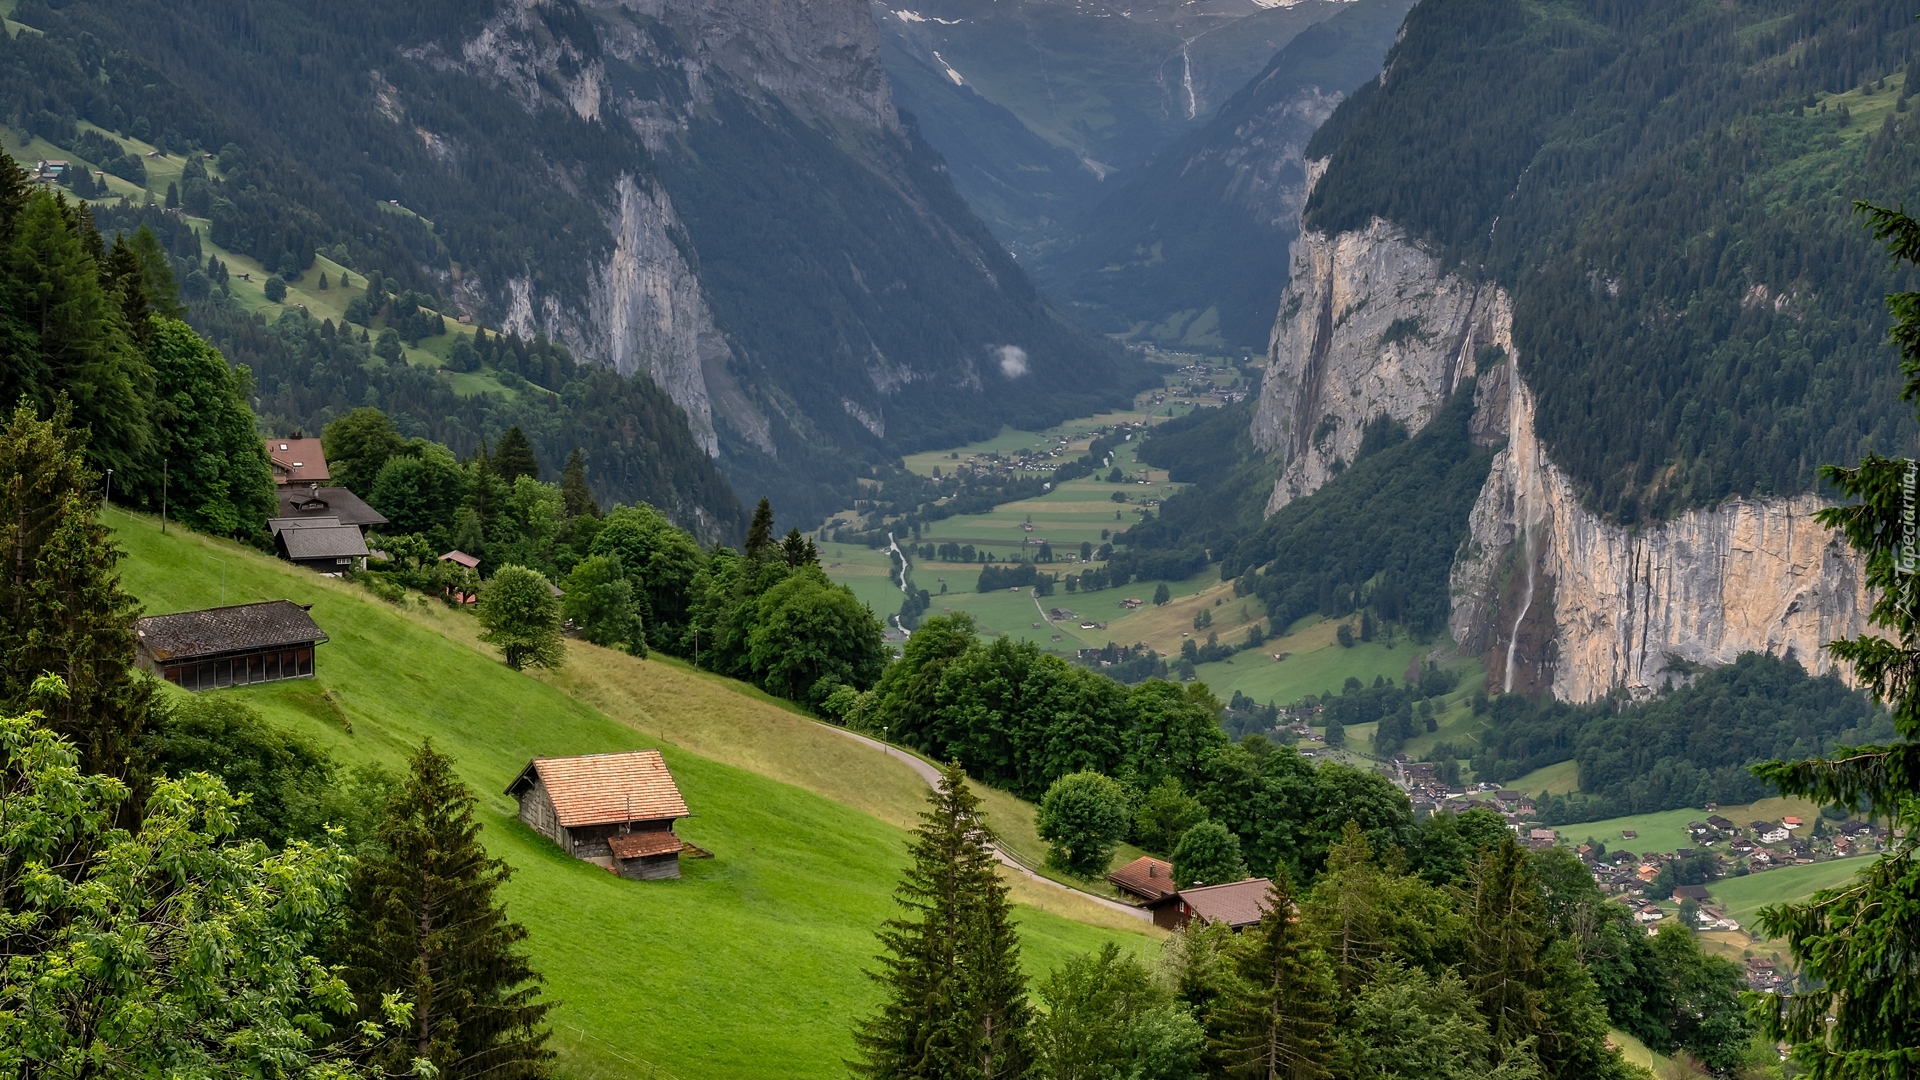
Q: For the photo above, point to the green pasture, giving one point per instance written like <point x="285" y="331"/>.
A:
<point x="1557" y="779"/>
<point x="1666" y="830"/>
<point x="750" y="966"/>
<point x="1743" y="897"/>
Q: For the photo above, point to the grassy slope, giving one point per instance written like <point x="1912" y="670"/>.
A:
<point x="1666" y="830"/>
<point x="1745" y="896"/>
<point x="748" y="967"/>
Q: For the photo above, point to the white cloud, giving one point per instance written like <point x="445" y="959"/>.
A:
<point x="1013" y="361"/>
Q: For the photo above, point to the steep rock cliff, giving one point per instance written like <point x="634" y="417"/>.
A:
<point x="1369" y="327"/>
<point x="1704" y="587"/>
<point x="781" y="253"/>
<point x="1551" y="595"/>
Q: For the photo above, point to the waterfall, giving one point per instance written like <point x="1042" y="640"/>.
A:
<point x="1523" y="507"/>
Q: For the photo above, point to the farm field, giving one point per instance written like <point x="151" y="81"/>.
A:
<point x="1743" y="897"/>
<point x="748" y="967"/>
<point x="1317" y="664"/>
<point x="1666" y="830"/>
<point x="1554" y="780"/>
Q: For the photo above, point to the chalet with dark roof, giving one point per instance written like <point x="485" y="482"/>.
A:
<point x="616" y="810"/>
<point x="328" y="549"/>
<point x="229" y="646"/>
<point x="314" y="501"/>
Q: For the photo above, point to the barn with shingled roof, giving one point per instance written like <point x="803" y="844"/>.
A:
<point x="615" y="810"/>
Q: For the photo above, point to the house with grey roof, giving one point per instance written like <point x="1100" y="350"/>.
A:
<point x="229" y="646"/>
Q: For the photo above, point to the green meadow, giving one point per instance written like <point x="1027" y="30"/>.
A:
<point x="1743" y="897"/>
<point x="751" y="966"/>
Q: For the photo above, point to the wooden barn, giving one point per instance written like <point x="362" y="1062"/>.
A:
<point x="616" y="810"/>
<point x="229" y="646"/>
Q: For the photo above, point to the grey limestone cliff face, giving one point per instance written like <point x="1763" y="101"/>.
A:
<point x="646" y="309"/>
<point x="1552" y="596"/>
<point x="1265" y="161"/>
<point x="1368" y="327"/>
<point x="1749" y="575"/>
<point x="821" y="57"/>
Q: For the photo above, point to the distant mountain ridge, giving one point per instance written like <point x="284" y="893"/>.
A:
<point x="1191" y="251"/>
<point x="1041" y="106"/>
<point x="715" y="193"/>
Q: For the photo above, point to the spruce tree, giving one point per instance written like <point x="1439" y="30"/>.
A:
<point x="1858" y="944"/>
<point x="1507" y="928"/>
<point x="1275" y="1024"/>
<point x="575" y="495"/>
<point x="61" y="606"/>
<point x="760" y="532"/>
<point x="427" y="925"/>
<point x="79" y="333"/>
<point x="513" y="456"/>
<point x="956" y="1002"/>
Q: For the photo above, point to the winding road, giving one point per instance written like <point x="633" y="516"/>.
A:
<point x="931" y="775"/>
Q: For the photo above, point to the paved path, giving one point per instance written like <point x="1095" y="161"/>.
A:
<point x="931" y="775"/>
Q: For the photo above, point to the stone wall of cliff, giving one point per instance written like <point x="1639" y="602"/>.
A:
<point x="1747" y="575"/>
<point x="1552" y="596"/>
<point x="1368" y="327"/>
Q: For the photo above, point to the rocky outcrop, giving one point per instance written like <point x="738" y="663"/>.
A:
<point x="1368" y="327"/>
<point x="1753" y="575"/>
<point x="820" y="57"/>
<point x="1551" y="595"/>
<point x="647" y="310"/>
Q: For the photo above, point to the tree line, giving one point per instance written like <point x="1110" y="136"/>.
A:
<point x="630" y="578"/>
<point x="1491" y="962"/>
<point x="1689" y="746"/>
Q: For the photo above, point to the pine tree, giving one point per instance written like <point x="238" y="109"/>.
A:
<point x="513" y="456"/>
<point x="1275" y="1024"/>
<point x="61" y="607"/>
<point x="1858" y="943"/>
<point x="760" y="532"/>
<point x="956" y="1005"/>
<point x="1507" y="928"/>
<point x="427" y="925"/>
<point x="574" y="493"/>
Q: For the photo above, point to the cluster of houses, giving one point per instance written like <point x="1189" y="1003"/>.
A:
<point x="1148" y="883"/>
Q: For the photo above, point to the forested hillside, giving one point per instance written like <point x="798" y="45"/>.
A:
<point x="812" y="319"/>
<point x="1666" y="191"/>
<point x="1191" y="250"/>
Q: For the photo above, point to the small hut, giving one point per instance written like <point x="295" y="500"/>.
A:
<point x="614" y="810"/>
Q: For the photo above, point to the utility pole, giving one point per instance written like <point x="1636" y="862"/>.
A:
<point x="163" y="498"/>
<point x="104" y="499"/>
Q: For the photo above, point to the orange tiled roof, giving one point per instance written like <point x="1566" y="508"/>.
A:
<point x="596" y="789"/>
<point x="1146" y="877"/>
<point x="297" y="461"/>
<point x="1239" y="903"/>
<point x="639" y="845"/>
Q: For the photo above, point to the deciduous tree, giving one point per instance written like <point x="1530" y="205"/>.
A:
<point x="522" y="617"/>
<point x="1083" y="817"/>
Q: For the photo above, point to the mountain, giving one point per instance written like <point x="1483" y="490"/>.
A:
<point x="1038" y="105"/>
<point x="1191" y="250"/>
<point x="1620" y="237"/>
<point x="718" y="195"/>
